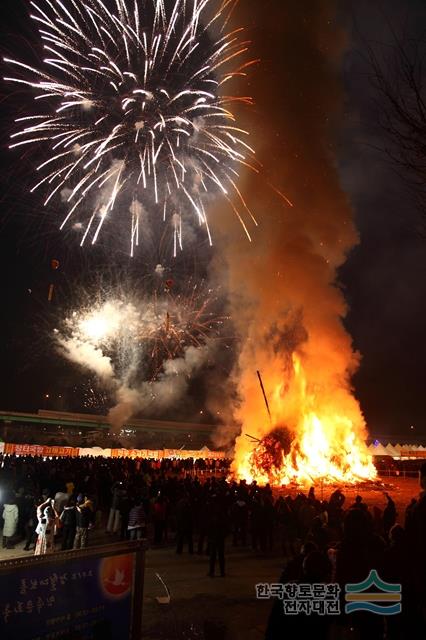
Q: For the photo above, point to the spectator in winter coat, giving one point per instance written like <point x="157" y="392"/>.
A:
<point x="318" y="534"/>
<point x="239" y="516"/>
<point x="137" y="521"/>
<point x="389" y="515"/>
<point x="68" y="518"/>
<point x="315" y="569"/>
<point x="359" y="551"/>
<point x="46" y="516"/>
<point x="124" y="508"/>
<point x="118" y="492"/>
<point x="217" y="527"/>
<point x="397" y="568"/>
<point x="84" y="518"/>
<point x="184" y="524"/>
<point x="10" y="517"/>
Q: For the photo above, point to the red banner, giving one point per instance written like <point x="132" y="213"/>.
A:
<point x="134" y="453"/>
<point x="38" y="450"/>
<point x="56" y="451"/>
<point x="412" y="453"/>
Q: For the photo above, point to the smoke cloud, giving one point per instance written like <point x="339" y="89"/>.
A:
<point x="284" y="294"/>
<point x="164" y="393"/>
<point x="87" y="355"/>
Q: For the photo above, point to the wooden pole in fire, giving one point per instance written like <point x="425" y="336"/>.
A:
<point x="264" y="396"/>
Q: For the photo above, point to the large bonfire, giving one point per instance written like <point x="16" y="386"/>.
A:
<point x="310" y="438"/>
<point x="286" y="299"/>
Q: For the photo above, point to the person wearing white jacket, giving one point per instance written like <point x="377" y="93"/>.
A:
<point x="10" y="518"/>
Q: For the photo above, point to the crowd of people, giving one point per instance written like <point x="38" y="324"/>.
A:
<point x="59" y="501"/>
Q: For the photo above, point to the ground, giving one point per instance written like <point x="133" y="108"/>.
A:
<point x="223" y="608"/>
<point x="220" y="608"/>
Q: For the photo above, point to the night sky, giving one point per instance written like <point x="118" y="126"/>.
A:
<point x="384" y="277"/>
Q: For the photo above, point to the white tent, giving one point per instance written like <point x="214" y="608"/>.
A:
<point x="378" y="449"/>
<point x="95" y="452"/>
<point x="392" y="451"/>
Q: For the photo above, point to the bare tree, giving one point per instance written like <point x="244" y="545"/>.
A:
<point x="399" y="78"/>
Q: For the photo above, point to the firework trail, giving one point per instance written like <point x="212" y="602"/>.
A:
<point x="131" y="105"/>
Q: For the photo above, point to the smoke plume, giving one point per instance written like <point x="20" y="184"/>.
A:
<point x="87" y="355"/>
<point x="166" y="392"/>
<point x="284" y="293"/>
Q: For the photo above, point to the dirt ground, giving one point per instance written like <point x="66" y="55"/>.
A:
<point x="203" y="607"/>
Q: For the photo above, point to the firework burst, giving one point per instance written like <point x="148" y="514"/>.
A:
<point x="131" y="108"/>
<point x="183" y="320"/>
<point x="118" y="338"/>
<point x="91" y="397"/>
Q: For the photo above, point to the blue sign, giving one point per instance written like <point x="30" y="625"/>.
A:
<point x="84" y="595"/>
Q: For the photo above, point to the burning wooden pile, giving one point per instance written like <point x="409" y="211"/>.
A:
<point x="312" y="437"/>
<point x="268" y="455"/>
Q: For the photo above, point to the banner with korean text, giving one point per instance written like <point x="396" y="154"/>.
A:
<point x="89" y="594"/>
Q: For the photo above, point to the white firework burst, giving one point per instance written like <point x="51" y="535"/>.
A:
<point x="134" y="108"/>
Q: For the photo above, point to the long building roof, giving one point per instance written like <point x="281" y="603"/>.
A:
<point x="64" y="418"/>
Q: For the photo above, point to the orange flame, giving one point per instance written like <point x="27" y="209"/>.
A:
<point x="327" y="438"/>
